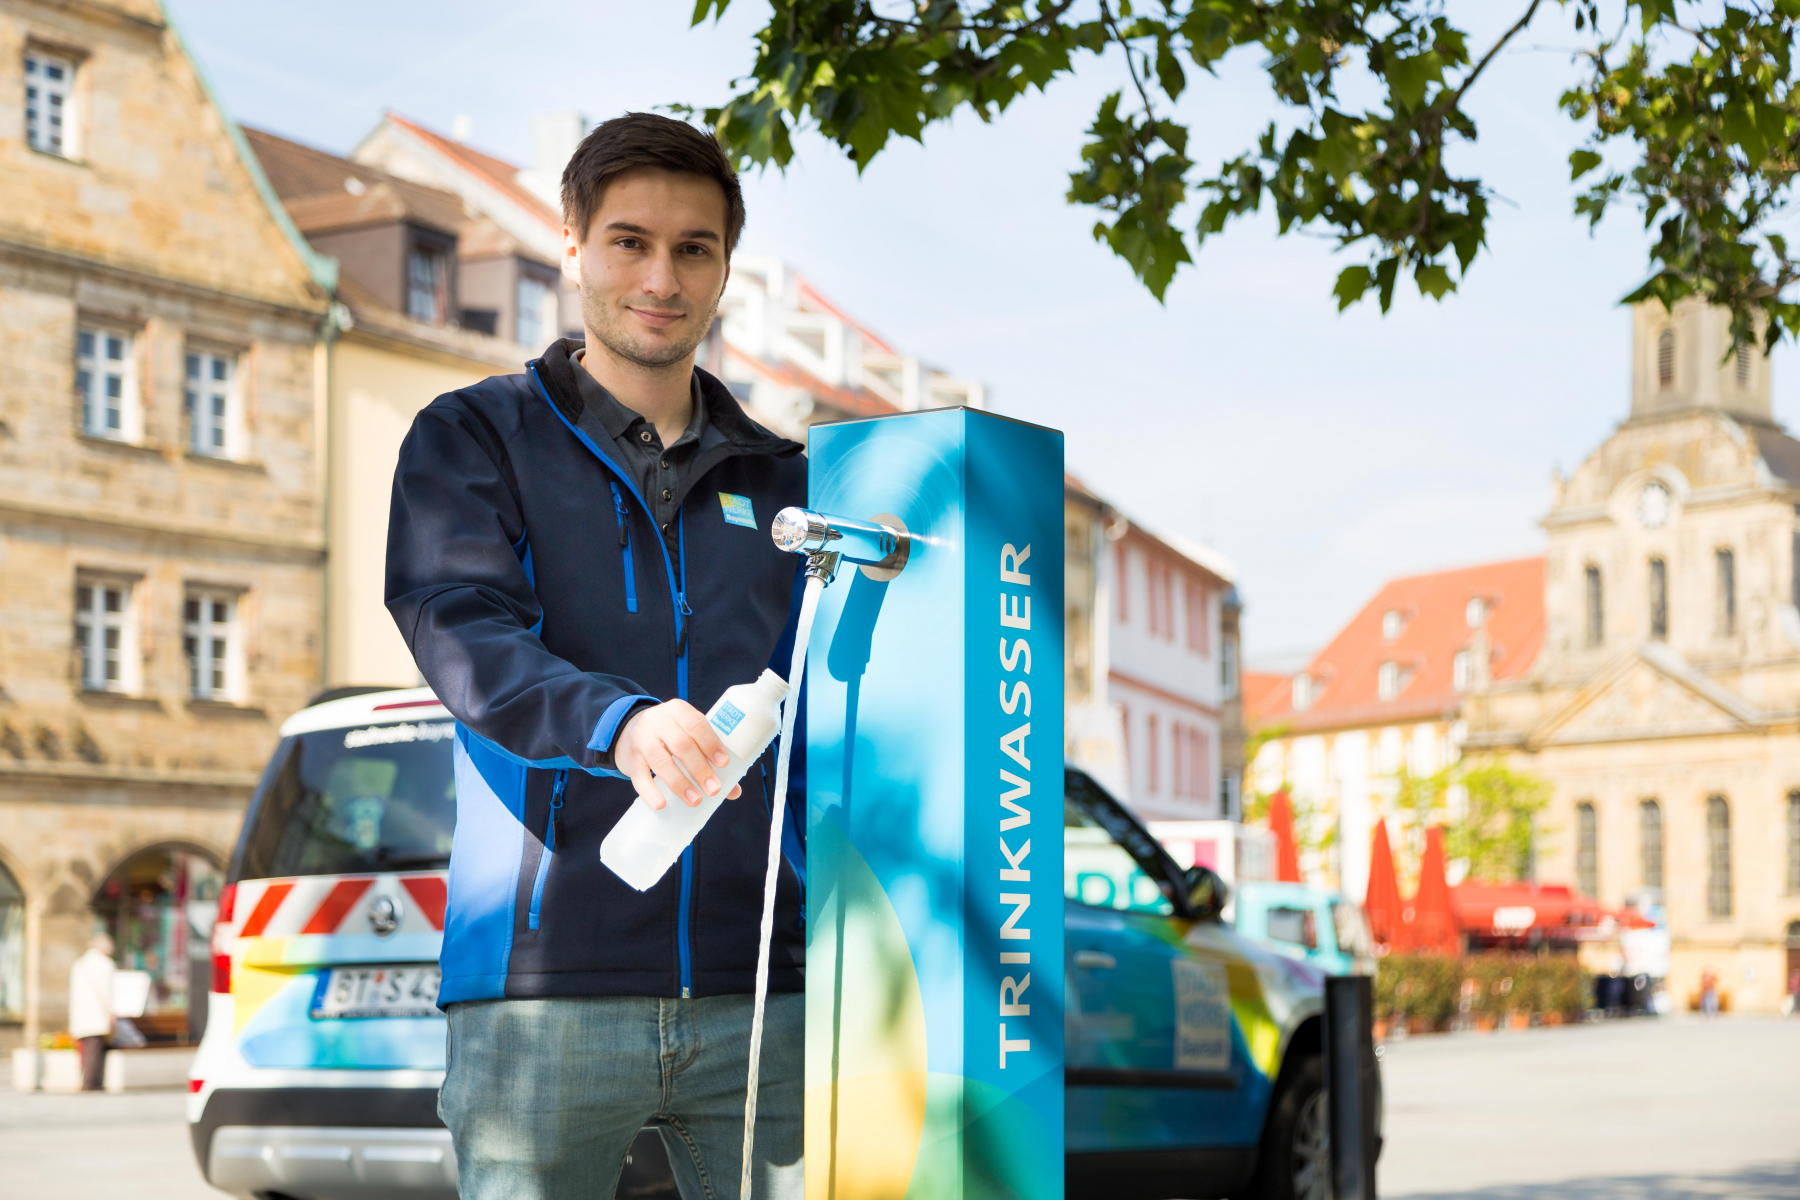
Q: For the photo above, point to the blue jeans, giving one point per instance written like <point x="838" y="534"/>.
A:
<point x="543" y="1097"/>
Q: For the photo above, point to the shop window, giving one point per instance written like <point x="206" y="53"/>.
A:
<point x="1587" y="850"/>
<point x="1793" y="843"/>
<point x="12" y="948"/>
<point x="1718" y="858"/>
<point x="49" y="103"/>
<point x="159" y="907"/>
<point x="1650" y="844"/>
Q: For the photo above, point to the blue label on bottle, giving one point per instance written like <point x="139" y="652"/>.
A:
<point x="727" y="718"/>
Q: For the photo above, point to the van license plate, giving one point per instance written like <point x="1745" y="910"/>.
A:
<point x="378" y="991"/>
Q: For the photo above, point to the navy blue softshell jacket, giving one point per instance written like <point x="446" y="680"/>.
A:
<point x="543" y="608"/>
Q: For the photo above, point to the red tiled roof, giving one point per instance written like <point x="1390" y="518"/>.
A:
<point x="496" y="171"/>
<point x="810" y="295"/>
<point x="1435" y="627"/>
<point x="1261" y="691"/>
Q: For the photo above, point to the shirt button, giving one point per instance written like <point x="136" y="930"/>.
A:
<point x="667" y="494"/>
<point x="665" y="464"/>
<point x="644" y="435"/>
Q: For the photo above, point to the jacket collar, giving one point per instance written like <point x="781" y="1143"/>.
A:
<point x="725" y="417"/>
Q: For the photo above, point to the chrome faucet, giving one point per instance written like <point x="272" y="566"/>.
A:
<point x="828" y="541"/>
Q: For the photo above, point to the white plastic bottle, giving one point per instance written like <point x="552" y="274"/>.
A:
<point x="645" y="843"/>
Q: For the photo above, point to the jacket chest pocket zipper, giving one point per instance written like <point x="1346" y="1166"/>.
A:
<point x="552" y="832"/>
<point x="624" y="518"/>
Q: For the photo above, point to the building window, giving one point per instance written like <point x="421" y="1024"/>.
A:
<point x="427" y="284"/>
<point x="103" y="631"/>
<point x="1460" y="667"/>
<point x="1388" y="680"/>
<point x="1475" y="612"/>
<point x="1392" y="623"/>
<point x="49" y="91"/>
<point x="1718" y="858"/>
<point x="106" y="380"/>
<point x="211" y="642"/>
<point x="1659" y="601"/>
<point x="535" y="318"/>
<point x="212" y="403"/>
<point x="12" y="948"/>
<point x="1665" y="358"/>
<point x="1725" y="584"/>
<point x="1229" y="791"/>
<point x="1650" y="844"/>
<point x="1596" y="612"/>
<point x="1793" y="843"/>
<point x="1199" y="623"/>
<point x="1587" y="850"/>
<point x="1303" y="692"/>
<point x="1152" y="598"/>
<point x="1744" y="351"/>
<point x="1794" y="557"/>
<point x="1168" y="585"/>
<point x="1199" y="763"/>
<point x="1228" y="670"/>
<point x="1154" y="765"/>
<point x="1121" y="574"/>
<point x="1181" y="766"/>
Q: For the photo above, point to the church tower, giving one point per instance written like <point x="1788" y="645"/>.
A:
<point x="1684" y="359"/>
<point x="1664" y="708"/>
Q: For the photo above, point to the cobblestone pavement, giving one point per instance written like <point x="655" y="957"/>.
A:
<point x="1640" y="1110"/>
<point x="1649" y="1109"/>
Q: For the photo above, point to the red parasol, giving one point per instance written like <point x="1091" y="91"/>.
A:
<point x="1382" y="907"/>
<point x="1281" y="824"/>
<point x="1434" y="929"/>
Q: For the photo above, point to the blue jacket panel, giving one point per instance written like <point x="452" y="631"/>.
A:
<point x="541" y="604"/>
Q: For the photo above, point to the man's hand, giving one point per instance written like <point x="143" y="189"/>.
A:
<point x="655" y="740"/>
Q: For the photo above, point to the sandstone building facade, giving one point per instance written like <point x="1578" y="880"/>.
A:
<point x="1665" y="708"/>
<point x="161" y="541"/>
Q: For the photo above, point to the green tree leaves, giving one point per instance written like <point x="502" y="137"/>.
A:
<point x="1702" y="91"/>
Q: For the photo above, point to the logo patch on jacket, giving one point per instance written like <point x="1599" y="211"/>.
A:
<point x="738" y="510"/>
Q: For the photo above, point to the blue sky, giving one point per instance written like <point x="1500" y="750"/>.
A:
<point x="1323" y="453"/>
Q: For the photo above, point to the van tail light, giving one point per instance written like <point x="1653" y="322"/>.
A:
<point x="194" y="1086"/>
<point x="221" y="963"/>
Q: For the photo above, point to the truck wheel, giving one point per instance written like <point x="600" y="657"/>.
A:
<point x="1295" y="1159"/>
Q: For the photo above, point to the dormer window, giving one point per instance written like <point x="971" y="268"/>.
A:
<point x="1391" y="680"/>
<point x="428" y="282"/>
<point x="1475" y="612"/>
<point x="1303" y="692"/>
<point x="1393" y="623"/>
<point x="1462" y="669"/>
<point x="49" y="100"/>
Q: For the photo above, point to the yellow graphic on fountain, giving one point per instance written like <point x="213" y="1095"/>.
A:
<point x="865" y="1018"/>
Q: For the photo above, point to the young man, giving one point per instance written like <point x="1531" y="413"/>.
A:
<point x="579" y="558"/>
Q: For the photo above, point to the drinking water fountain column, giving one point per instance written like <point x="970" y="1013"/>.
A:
<point x="934" y="942"/>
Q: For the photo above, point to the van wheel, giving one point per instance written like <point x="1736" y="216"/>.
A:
<point x="1295" y="1159"/>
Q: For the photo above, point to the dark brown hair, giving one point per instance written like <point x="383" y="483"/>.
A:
<point x="646" y="140"/>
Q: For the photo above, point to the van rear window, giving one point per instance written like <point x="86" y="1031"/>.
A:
<point x="338" y="801"/>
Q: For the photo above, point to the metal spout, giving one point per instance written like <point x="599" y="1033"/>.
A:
<point x="821" y="537"/>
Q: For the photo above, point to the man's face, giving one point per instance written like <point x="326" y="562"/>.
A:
<point x="652" y="265"/>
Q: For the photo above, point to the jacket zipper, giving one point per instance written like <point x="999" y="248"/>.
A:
<point x="682" y="611"/>
<point x="552" y="826"/>
<point x="624" y="517"/>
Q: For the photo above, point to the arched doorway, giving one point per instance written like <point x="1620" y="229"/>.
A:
<point x="159" y="906"/>
<point x="12" y="948"/>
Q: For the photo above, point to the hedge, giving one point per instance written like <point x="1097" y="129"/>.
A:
<point x="1429" y="989"/>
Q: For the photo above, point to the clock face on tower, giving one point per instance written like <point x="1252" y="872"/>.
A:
<point x="1653" y="505"/>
